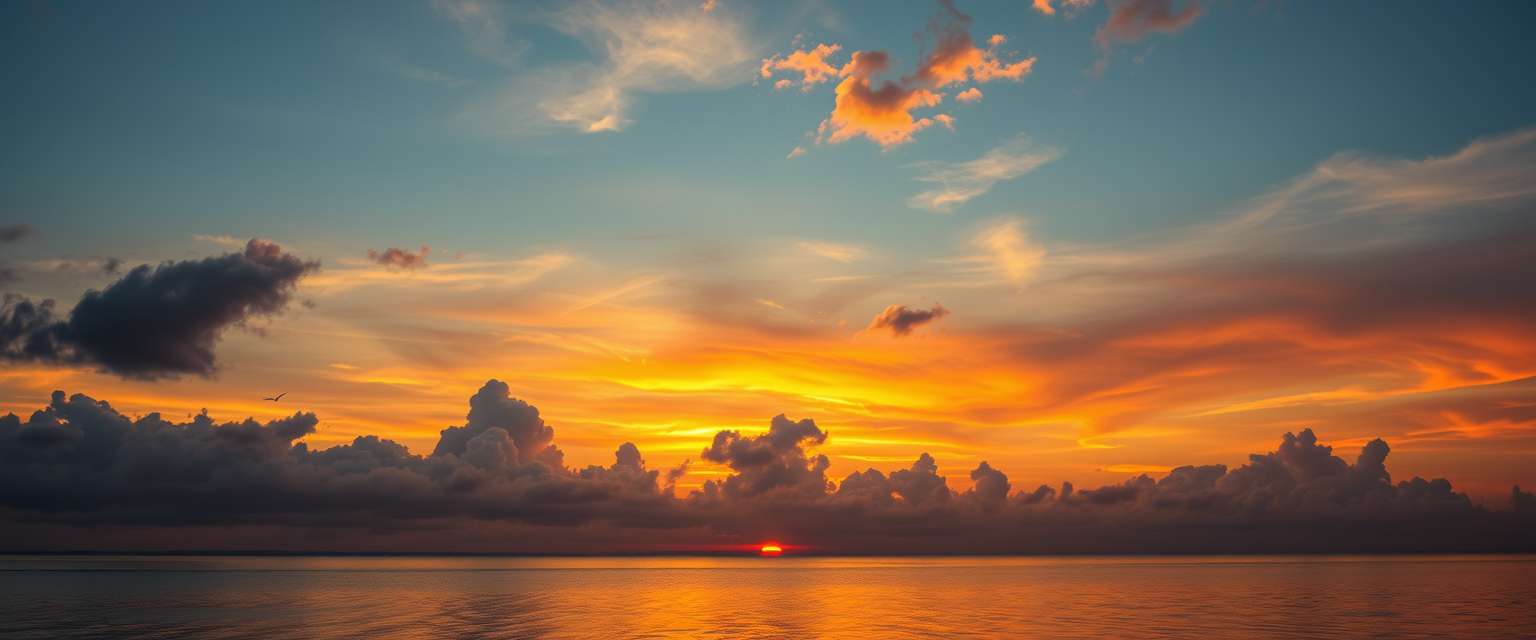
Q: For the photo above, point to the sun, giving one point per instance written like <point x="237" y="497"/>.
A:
<point x="770" y="549"/>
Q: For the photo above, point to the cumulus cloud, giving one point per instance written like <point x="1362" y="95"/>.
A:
<point x="637" y="48"/>
<point x="902" y="320"/>
<point x="773" y="464"/>
<point x="961" y="182"/>
<point x="77" y="473"/>
<point x="400" y="258"/>
<point x="969" y="95"/>
<point x="813" y="66"/>
<point x="1132" y="20"/>
<point x="883" y="111"/>
<point x="1045" y="7"/>
<point x="156" y="322"/>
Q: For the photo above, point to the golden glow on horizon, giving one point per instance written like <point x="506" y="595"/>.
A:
<point x="771" y="549"/>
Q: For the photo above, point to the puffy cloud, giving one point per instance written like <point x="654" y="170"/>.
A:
<point x="774" y="463"/>
<point x="400" y="258"/>
<point x="882" y="111"/>
<point x="882" y="114"/>
<point x="813" y="66"/>
<point x="1132" y="20"/>
<point x="969" y="95"/>
<point x="156" y="322"/>
<point x="505" y="423"/>
<point x="961" y="182"/>
<point x="1045" y="7"/>
<point x="78" y="464"/>
<point x="902" y="320"/>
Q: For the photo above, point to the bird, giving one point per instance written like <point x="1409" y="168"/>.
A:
<point x="276" y="397"/>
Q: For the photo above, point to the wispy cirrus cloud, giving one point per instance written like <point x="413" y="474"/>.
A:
<point x="832" y="250"/>
<point x="484" y="25"/>
<point x="637" y="49"/>
<point x="961" y="182"/>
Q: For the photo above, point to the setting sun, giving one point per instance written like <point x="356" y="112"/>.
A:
<point x="771" y="549"/>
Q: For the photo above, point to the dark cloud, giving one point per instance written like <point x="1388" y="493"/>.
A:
<point x="1132" y="20"/>
<point x="79" y="469"/>
<point x="156" y="322"/>
<point x="12" y="232"/>
<point x="772" y="463"/>
<point x="400" y="258"/>
<point x="901" y="320"/>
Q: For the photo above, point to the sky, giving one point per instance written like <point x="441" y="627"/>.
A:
<point x="1090" y="241"/>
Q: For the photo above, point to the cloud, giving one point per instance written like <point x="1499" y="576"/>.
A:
<point x="220" y="239"/>
<point x="969" y="95"/>
<point x="1132" y="20"/>
<point x="400" y="258"/>
<point x="12" y="232"/>
<point x="795" y="152"/>
<point x="901" y="320"/>
<point x="1012" y="254"/>
<point x="484" y="26"/>
<point x="832" y="251"/>
<point x="773" y="464"/>
<point x="813" y="66"/>
<point x="156" y="322"/>
<point x="81" y="475"/>
<point x="108" y="266"/>
<point x="883" y="111"/>
<point x="1069" y="6"/>
<point x="637" y="48"/>
<point x="961" y="182"/>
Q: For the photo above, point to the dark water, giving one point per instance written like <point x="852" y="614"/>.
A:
<point x="308" y="597"/>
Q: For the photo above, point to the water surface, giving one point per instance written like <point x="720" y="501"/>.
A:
<point x="438" y="597"/>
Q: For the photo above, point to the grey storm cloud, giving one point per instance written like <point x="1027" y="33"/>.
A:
<point x="79" y="469"/>
<point x="902" y="320"/>
<point x="156" y="322"/>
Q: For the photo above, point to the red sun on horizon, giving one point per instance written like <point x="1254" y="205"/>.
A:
<point x="770" y="549"/>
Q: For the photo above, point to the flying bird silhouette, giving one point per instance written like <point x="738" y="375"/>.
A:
<point x="276" y="397"/>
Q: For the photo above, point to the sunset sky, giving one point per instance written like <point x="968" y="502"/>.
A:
<point x="1080" y="240"/>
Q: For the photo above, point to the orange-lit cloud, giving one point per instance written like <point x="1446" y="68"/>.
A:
<point x="969" y="95"/>
<point x="1045" y="7"/>
<point x="883" y="111"/>
<point x="813" y="66"/>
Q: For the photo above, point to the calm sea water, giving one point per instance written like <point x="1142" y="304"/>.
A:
<point x="1105" y="597"/>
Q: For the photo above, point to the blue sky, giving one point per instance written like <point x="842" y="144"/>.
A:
<point x="246" y="119"/>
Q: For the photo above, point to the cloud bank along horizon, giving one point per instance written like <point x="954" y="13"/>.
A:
<point x="80" y="474"/>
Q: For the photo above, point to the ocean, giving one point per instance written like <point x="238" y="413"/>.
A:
<point x="268" y="597"/>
